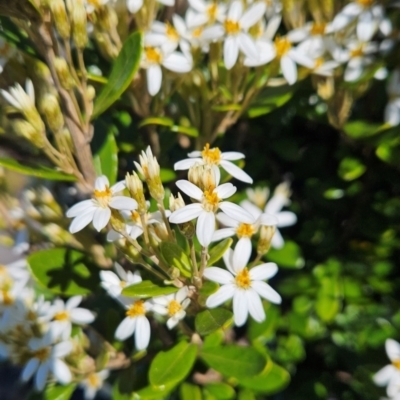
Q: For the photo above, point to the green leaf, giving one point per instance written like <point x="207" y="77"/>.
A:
<point x="235" y="361"/>
<point x="221" y="391"/>
<point x="59" y="392"/>
<point x="187" y="391"/>
<point x="288" y="256"/>
<point x="271" y="380"/>
<point x="152" y="392"/>
<point x="266" y="329"/>
<point x="351" y="168"/>
<point x="362" y="129"/>
<point x="328" y="300"/>
<point x="163" y="121"/>
<point x="227" y="107"/>
<point x="122" y="73"/>
<point x="218" y="251"/>
<point x="208" y="288"/>
<point x="246" y="394"/>
<point x="39" y="171"/>
<point x="176" y="257"/>
<point x="146" y="289"/>
<point x="172" y="366"/>
<point x="167" y="175"/>
<point x="187" y="130"/>
<point x="105" y="160"/>
<point x="64" y="271"/>
<point x="209" y="321"/>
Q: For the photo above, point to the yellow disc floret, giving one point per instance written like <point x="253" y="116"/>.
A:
<point x="245" y="230"/>
<point x="210" y="200"/>
<point x="171" y="32"/>
<point x="212" y="12"/>
<point x="94" y="381"/>
<point x="396" y="363"/>
<point x="365" y="3"/>
<point x="136" y="309"/>
<point x="318" y="28"/>
<point x="231" y="27"/>
<point x="242" y="279"/>
<point x="211" y="156"/>
<point x="173" y="308"/>
<point x="103" y="197"/>
<point x="153" y="55"/>
<point x="42" y="354"/>
<point x="282" y="46"/>
<point x="62" y="316"/>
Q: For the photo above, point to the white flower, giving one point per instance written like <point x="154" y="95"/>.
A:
<point x="392" y="109"/>
<point x="273" y="207"/>
<point x="173" y="305"/>
<point x="214" y="156"/>
<point x="390" y="374"/>
<point x="135" y="322"/>
<point x="155" y="56"/>
<point x="135" y="5"/>
<point x="209" y="202"/>
<point x="45" y="358"/>
<point x="98" y="209"/>
<point x="23" y="100"/>
<point x="243" y="285"/>
<point x="67" y="314"/>
<point x="207" y="12"/>
<point x="93" y="383"/>
<point x="114" y="283"/>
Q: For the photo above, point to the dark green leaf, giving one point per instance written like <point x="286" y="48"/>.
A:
<point x="208" y="288"/>
<point x="188" y="391"/>
<point x="209" y="321"/>
<point x="221" y="391"/>
<point x="64" y="271"/>
<point x="172" y="366"/>
<point x="122" y="73"/>
<point x="39" y="171"/>
<point x="176" y="257"/>
<point x="219" y="250"/>
<point x="235" y="361"/>
<point x="288" y="256"/>
<point x="146" y="289"/>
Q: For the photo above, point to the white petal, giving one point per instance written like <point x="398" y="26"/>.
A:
<point x="80" y="208"/>
<point x="384" y="375"/>
<point x="222" y="234"/>
<point x="268" y="220"/>
<point x="236" y="212"/>
<point x="212" y="33"/>
<point x="142" y="334"/>
<point x="123" y="203"/>
<point x="241" y="255"/>
<point x="223" y="294"/>
<point x="235" y="171"/>
<point x="134" y="5"/>
<point x="289" y="69"/>
<point x="240" y="307"/>
<point x="277" y="241"/>
<point x="235" y="10"/>
<point x="79" y="222"/>
<point x="109" y="278"/>
<point x="266" y="292"/>
<point x="251" y="208"/>
<point x="181" y="294"/>
<point x="392" y="349"/>
<point x="101" y="218"/>
<point x="392" y="114"/>
<point x="225" y="190"/>
<point x="41" y="376"/>
<point x="82" y="316"/>
<point x="232" y="155"/>
<point x="263" y="271"/>
<point x="254" y="13"/>
<point x="190" y="189"/>
<point x="366" y="27"/>
<point x="186" y="213"/>
<point x="186" y="164"/>
<point x="275" y="204"/>
<point x="101" y="183"/>
<point x="177" y="62"/>
<point x="298" y="35"/>
<point x="218" y="275"/>
<point x="125" y="328"/>
<point x="29" y="369"/>
<point x="286" y="218"/>
<point x="231" y="52"/>
<point x="73" y="302"/>
<point x="301" y="58"/>
<point x="255" y="306"/>
<point x="62" y="349"/>
<point x="157" y="308"/>
<point x="247" y="45"/>
<point x="205" y="227"/>
<point x="228" y="257"/>
<point x="154" y="79"/>
<point x="223" y="219"/>
<point x="61" y="372"/>
<point x="118" y="187"/>
<point x="172" y="322"/>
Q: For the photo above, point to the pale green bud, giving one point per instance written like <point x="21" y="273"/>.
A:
<point x="135" y="187"/>
<point x="52" y="112"/>
<point x="60" y="18"/>
<point x="79" y="22"/>
<point x="63" y="73"/>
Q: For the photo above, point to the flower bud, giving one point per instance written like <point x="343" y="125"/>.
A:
<point x="176" y="203"/>
<point x="203" y="176"/>
<point x="264" y="242"/>
<point x="52" y="112"/>
<point x="63" y="73"/>
<point x="79" y="21"/>
<point x="61" y="20"/>
<point x="90" y="93"/>
<point x="28" y="131"/>
<point x="258" y="196"/>
<point x="135" y="187"/>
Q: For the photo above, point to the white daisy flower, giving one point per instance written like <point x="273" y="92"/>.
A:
<point x="66" y="314"/>
<point x="114" y="283"/>
<point x="214" y="156"/>
<point x="135" y="5"/>
<point x="45" y="358"/>
<point x="390" y="374"/>
<point x="98" y="209"/>
<point x="392" y="109"/>
<point x="22" y="100"/>
<point x="243" y="285"/>
<point x="209" y="201"/>
<point x="207" y="12"/>
<point x="273" y="208"/>
<point x="93" y="383"/>
<point x="135" y="322"/>
<point x="173" y="305"/>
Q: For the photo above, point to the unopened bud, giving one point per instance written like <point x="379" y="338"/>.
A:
<point x="258" y="196"/>
<point x="135" y="187"/>
<point x="63" y="73"/>
<point x="203" y="176"/>
<point x="117" y="222"/>
<point x="79" y="21"/>
<point x="90" y="92"/>
<point x="60" y="18"/>
<point x="28" y="131"/>
<point x="264" y="242"/>
<point x="52" y="112"/>
<point x="176" y="203"/>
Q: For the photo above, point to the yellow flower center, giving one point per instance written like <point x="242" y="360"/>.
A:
<point x="232" y="27"/>
<point x="318" y="62"/>
<point x="212" y="12"/>
<point x="196" y="33"/>
<point x="173" y="308"/>
<point x="171" y="32"/>
<point x="365" y="3"/>
<point x="318" y="28"/>
<point x="135" y="216"/>
<point x="8" y="300"/>
<point x="136" y="309"/>
<point x="396" y="363"/>
<point x="242" y="279"/>
<point x="95" y="3"/>
<point x="103" y="197"/>
<point x="245" y="230"/>
<point x="122" y="284"/>
<point x="94" y="381"/>
<point x="210" y="200"/>
<point x="211" y="156"/>
<point x="358" y="52"/>
<point x="42" y="354"/>
<point x="62" y="316"/>
<point x="256" y="30"/>
<point x="153" y="55"/>
<point x="282" y="46"/>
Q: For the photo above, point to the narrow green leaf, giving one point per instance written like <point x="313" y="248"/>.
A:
<point x="163" y="121"/>
<point x="218" y="251"/>
<point x="64" y="271"/>
<point x="146" y="289"/>
<point x="176" y="257"/>
<point x="106" y="158"/>
<point x="172" y="366"/>
<point x="187" y="391"/>
<point x="288" y="256"/>
<point x="227" y="107"/>
<point x="222" y="391"/>
<point x="187" y="130"/>
<point x="235" y="361"/>
<point x="39" y="171"/>
<point x="167" y="175"/>
<point x="59" y="392"/>
<point x="362" y="129"/>
<point x="122" y="73"/>
<point x="209" y="321"/>
<point x="351" y="168"/>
